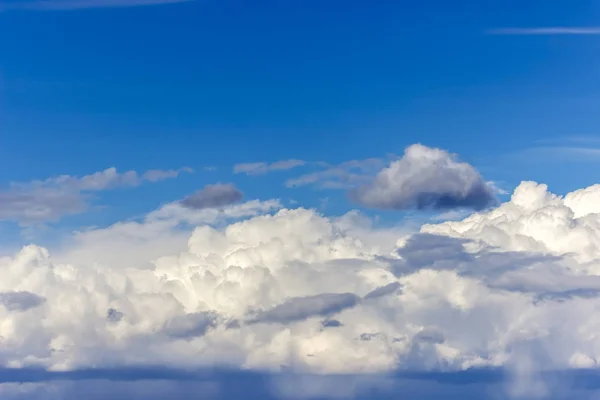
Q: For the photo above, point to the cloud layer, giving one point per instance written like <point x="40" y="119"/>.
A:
<point x="426" y="178"/>
<point x="289" y="288"/>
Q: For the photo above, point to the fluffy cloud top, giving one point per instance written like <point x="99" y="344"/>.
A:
<point x="426" y="178"/>
<point x="518" y="285"/>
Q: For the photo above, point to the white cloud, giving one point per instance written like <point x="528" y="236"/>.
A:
<point x="537" y="220"/>
<point x="426" y="178"/>
<point x="51" y="199"/>
<point x="516" y="285"/>
<point x="162" y="232"/>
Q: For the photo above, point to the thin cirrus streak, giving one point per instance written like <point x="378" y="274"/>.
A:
<point x="555" y="30"/>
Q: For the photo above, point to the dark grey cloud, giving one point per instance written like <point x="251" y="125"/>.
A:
<point x="540" y="276"/>
<point x="114" y="315"/>
<point x="431" y="251"/>
<point x="190" y="325"/>
<point x="382" y="291"/>
<point x="20" y="301"/>
<point x="426" y="178"/>
<point x="432" y="336"/>
<point x="301" y="308"/>
<point x="213" y="196"/>
<point x="331" y="323"/>
<point x="565" y="295"/>
<point x="367" y="337"/>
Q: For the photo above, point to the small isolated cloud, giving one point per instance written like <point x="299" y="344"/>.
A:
<point x="553" y="30"/>
<point x="213" y="196"/>
<point x="51" y="199"/>
<point x="426" y="178"/>
<point x="260" y="168"/>
<point x="65" y="5"/>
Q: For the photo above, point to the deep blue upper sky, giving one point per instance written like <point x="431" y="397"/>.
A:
<point x="214" y="83"/>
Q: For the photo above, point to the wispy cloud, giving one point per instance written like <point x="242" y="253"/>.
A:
<point x="568" y="148"/>
<point x="554" y="30"/>
<point x="260" y="168"/>
<point x="570" y="139"/>
<point x="51" y="199"/>
<point x="80" y="4"/>
<point x="341" y="176"/>
<point x="559" y="153"/>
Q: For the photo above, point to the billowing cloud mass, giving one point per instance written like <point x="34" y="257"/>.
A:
<point x="518" y="286"/>
<point x="51" y="199"/>
<point x="213" y="196"/>
<point x="426" y="178"/>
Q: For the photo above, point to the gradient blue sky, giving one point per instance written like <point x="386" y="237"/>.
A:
<point x="215" y="83"/>
<point x="512" y="86"/>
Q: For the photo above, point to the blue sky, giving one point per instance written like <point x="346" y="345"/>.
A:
<point x="215" y="83"/>
<point x="315" y="104"/>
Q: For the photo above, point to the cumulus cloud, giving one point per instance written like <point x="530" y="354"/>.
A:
<point x="291" y="289"/>
<point x="426" y="178"/>
<point x="263" y="167"/>
<point x="165" y="231"/>
<point x="51" y="199"/>
<point x="213" y="196"/>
